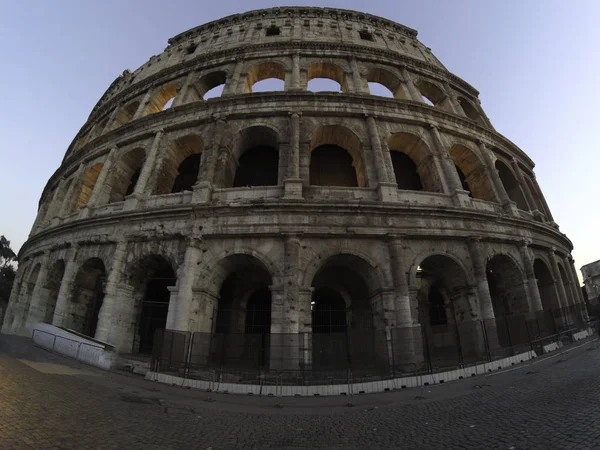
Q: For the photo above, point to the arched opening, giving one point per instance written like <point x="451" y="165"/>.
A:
<point x="53" y="282"/>
<point x="418" y="152"/>
<point x="151" y="281"/>
<point x="266" y="73"/>
<point x="323" y="85"/>
<point x="181" y="165"/>
<point x="326" y="76"/>
<point x="211" y="85"/>
<point x="257" y="154"/>
<point x="380" y="90"/>
<point x="243" y="319"/>
<point x="385" y="84"/>
<point x="258" y="166"/>
<point x="343" y="316"/>
<point x="471" y="173"/>
<point x="432" y="95"/>
<point x="88" y="294"/>
<point x="125" y="114"/>
<point x="511" y="185"/>
<point x="162" y="99"/>
<point x="336" y="158"/>
<point x="469" y="109"/>
<point x="124" y="175"/>
<point x="507" y="287"/>
<point x="546" y="285"/>
<point x="405" y="171"/>
<point x="509" y="300"/>
<point x="187" y="174"/>
<point x="331" y="165"/>
<point x="448" y="312"/>
<point x="86" y="187"/>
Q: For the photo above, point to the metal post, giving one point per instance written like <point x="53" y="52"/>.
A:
<point x="486" y="341"/>
<point x="458" y="345"/>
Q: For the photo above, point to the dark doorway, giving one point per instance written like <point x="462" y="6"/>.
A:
<point x="329" y="330"/>
<point x="331" y="165"/>
<point x="155" y="305"/>
<point x="187" y="173"/>
<point x="258" y="166"/>
<point x="463" y="181"/>
<point x="405" y="171"/>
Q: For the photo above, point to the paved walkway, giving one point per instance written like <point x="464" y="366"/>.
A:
<point x="47" y="401"/>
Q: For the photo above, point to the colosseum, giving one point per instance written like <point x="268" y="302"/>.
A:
<point x="290" y="227"/>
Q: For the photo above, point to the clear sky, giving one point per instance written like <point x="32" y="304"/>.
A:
<point x="534" y="62"/>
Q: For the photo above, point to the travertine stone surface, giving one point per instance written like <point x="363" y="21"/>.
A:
<point x="112" y="217"/>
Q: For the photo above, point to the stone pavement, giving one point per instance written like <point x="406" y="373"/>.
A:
<point x="48" y="402"/>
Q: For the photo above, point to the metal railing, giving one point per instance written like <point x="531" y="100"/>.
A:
<point x="81" y="351"/>
<point x="357" y="355"/>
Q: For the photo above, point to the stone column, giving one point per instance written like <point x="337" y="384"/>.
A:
<point x="69" y="200"/>
<point x="54" y="209"/>
<point x="202" y="191"/>
<point x="231" y="83"/>
<point x="143" y="104"/>
<point x="187" y="273"/>
<point x="182" y="93"/>
<point x="96" y="197"/>
<point x="295" y="86"/>
<point x="113" y="116"/>
<point x="460" y="197"/>
<point x="145" y="184"/>
<point x="483" y="290"/>
<point x="452" y="101"/>
<point x="405" y="335"/>
<point x="571" y="267"/>
<point x="13" y="301"/>
<point x="415" y="94"/>
<point x="63" y="302"/>
<point x="39" y="296"/>
<point x="387" y="190"/>
<point x="532" y="287"/>
<point x="560" y="287"/>
<point x="112" y="328"/>
<point x="483" y="115"/>
<point x="285" y="345"/>
<point x="293" y="182"/>
<point x="542" y="199"/>
<point x="524" y="188"/>
<point x="42" y="215"/>
<point x="360" y="84"/>
<point x="509" y="206"/>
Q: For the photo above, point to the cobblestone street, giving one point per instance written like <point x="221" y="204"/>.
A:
<point x="47" y="401"/>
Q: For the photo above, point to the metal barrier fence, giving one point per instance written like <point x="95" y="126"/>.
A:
<point x="81" y="351"/>
<point x="360" y="355"/>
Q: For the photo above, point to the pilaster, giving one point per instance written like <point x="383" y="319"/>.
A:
<point x="61" y="312"/>
<point x="110" y="329"/>
<point x="143" y="187"/>
<point x="532" y="287"/>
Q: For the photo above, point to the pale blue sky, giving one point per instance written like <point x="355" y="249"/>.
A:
<point x="535" y="62"/>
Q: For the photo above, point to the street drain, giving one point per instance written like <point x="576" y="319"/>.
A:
<point x="172" y="410"/>
<point x="139" y="400"/>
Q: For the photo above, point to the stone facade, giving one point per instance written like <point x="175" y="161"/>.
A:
<point x="292" y="201"/>
<point x="591" y="282"/>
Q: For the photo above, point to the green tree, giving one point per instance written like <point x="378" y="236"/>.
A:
<point x="7" y="271"/>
